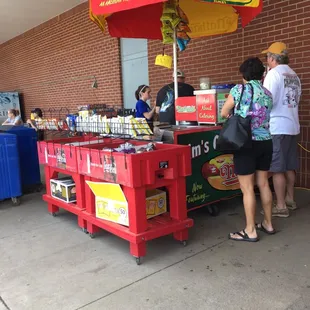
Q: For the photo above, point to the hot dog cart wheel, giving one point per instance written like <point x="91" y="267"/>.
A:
<point x="85" y="230"/>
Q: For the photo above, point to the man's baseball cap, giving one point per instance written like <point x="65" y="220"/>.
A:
<point x="180" y="74"/>
<point x="276" y="48"/>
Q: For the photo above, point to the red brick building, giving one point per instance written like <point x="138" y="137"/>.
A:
<point x="54" y="64"/>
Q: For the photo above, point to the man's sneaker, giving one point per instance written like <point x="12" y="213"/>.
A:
<point x="276" y="212"/>
<point x="291" y="204"/>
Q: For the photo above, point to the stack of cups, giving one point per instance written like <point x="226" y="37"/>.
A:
<point x="205" y="83"/>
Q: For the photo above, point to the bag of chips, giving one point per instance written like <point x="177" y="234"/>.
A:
<point x="183" y="27"/>
<point x="182" y="15"/>
<point x="182" y="43"/>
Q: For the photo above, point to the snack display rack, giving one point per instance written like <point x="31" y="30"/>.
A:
<point x="92" y="157"/>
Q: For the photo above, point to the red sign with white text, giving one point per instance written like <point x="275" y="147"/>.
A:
<point x="185" y="109"/>
<point x="206" y="108"/>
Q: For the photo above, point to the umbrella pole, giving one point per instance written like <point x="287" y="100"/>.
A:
<point x="175" y="66"/>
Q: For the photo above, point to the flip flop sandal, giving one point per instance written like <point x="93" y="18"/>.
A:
<point x="244" y="237"/>
<point x="263" y="229"/>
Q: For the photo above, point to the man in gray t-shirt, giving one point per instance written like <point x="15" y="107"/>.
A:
<point x="285" y="87"/>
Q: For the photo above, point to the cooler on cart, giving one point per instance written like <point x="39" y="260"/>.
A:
<point x="10" y="182"/>
<point x="28" y="156"/>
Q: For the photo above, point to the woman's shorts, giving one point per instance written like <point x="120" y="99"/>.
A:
<point x="259" y="157"/>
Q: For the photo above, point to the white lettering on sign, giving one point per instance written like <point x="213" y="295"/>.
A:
<point x="203" y="148"/>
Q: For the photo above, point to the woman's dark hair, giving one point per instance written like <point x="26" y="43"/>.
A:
<point x="38" y="112"/>
<point x="252" y="69"/>
<point x="14" y="112"/>
<point x="141" y="90"/>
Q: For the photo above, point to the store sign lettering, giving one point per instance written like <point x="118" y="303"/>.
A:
<point x="204" y="116"/>
<point x="187" y="109"/>
<point x="197" y="194"/>
<point x="251" y="3"/>
<point x="111" y="2"/>
<point x="203" y="99"/>
<point x="207" y="107"/>
<point x="203" y="148"/>
<point x="228" y="174"/>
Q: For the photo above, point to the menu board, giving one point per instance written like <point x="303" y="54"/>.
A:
<point x="185" y="109"/>
<point x="206" y="108"/>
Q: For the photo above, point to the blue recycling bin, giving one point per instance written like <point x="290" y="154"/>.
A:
<point x="28" y="156"/>
<point x="10" y="180"/>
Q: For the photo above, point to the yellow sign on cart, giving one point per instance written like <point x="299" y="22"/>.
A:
<point x="111" y="203"/>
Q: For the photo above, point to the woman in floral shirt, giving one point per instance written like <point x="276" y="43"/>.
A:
<point x="252" y="165"/>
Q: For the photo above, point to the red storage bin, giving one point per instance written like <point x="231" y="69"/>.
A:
<point x="43" y="147"/>
<point x="61" y="154"/>
<point x="90" y="159"/>
<point x="42" y="152"/>
<point x="167" y="162"/>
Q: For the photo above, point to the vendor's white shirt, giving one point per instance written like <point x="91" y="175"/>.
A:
<point x="285" y="87"/>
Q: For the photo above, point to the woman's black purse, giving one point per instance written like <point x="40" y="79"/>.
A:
<point x="236" y="133"/>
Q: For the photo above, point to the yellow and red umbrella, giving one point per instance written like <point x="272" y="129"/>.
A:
<point x="143" y="18"/>
<point x="172" y="20"/>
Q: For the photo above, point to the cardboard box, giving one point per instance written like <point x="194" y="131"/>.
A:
<point x="111" y="203"/>
<point x="156" y="203"/>
<point x="63" y="189"/>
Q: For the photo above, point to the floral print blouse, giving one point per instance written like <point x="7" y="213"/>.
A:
<point x="261" y="107"/>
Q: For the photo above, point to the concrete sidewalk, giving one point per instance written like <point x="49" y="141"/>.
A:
<point x="48" y="263"/>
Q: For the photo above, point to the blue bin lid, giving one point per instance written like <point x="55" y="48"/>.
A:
<point x="18" y="130"/>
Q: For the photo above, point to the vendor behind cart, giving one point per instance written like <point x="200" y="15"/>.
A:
<point x="165" y="101"/>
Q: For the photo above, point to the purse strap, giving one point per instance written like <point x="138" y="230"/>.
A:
<point x="252" y="98"/>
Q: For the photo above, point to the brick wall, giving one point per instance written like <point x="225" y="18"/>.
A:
<point x="219" y="57"/>
<point x="52" y="65"/>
